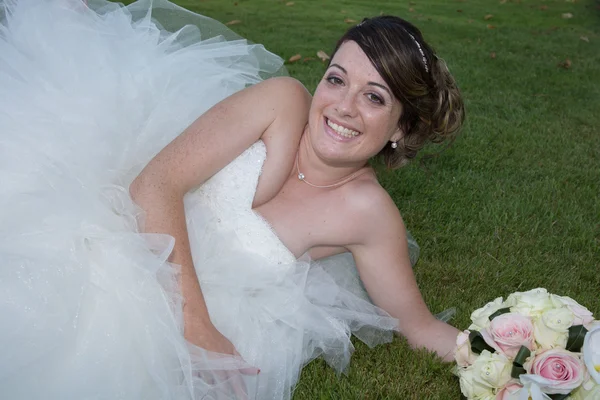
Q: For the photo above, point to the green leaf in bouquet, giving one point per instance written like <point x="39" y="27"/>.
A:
<point x="519" y="361"/>
<point x="558" y="396"/>
<point x="478" y="344"/>
<point x="576" y="336"/>
<point x="499" y="312"/>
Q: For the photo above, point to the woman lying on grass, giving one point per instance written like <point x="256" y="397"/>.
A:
<point x="256" y="192"/>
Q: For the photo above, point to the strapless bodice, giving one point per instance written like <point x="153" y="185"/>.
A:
<point x="227" y="197"/>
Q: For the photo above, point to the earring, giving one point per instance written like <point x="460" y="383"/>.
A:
<point x="394" y="145"/>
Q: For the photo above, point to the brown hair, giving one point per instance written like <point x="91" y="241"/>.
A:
<point x="433" y="109"/>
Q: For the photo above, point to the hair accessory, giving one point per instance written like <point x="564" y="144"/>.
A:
<point x="394" y="145"/>
<point x="420" y="51"/>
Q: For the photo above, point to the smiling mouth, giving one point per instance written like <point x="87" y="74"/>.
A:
<point x="340" y="130"/>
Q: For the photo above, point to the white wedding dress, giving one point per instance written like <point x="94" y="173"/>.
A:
<point x="89" y="306"/>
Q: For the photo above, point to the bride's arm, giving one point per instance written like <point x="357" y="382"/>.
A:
<point x="205" y="147"/>
<point x="381" y="255"/>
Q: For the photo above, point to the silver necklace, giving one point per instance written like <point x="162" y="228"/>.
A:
<point x="338" y="183"/>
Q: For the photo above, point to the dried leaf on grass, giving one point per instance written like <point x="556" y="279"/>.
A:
<point x="305" y="59"/>
<point x="493" y="55"/>
<point x="233" y="22"/>
<point x="295" y="58"/>
<point x="322" y="55"/>
<point x="544" y="7"/>
<point x="491" y="26"/>
<point x="488" y="17"/>
<point x="289" y="3"/>
<point x="411" y="10"/>
<point x="585" y="38"/>
<point x="565" y="64"/>
<point x="350" y="21"/>
<point x="567" y="15"/>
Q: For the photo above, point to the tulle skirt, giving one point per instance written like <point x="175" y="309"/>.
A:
<point x="89" y="306"/>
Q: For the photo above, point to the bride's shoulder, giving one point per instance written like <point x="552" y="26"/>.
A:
<point x="371" y="206"/>
<point x="288" y="102"/>
<point x="286" y="89"/>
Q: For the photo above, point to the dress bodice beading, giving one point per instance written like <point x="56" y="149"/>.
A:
<point x="227" y="197"/>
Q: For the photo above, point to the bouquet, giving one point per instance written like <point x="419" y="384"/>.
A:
<point x="532" y="346"/>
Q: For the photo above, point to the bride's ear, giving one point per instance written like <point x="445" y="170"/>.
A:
<point x="398" y="134"/>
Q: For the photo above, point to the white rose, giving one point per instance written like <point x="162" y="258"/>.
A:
<point x="471" y="388"/>
<point x="551" y="329"/>
<point x="582" y="315"/>
<point x="591" y="353"/>
<point x="481" y="316"/>
<point x="492" y="369"/>
<point x="531" y="303"/>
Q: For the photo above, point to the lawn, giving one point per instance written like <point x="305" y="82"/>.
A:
<point x="513" y="203"/>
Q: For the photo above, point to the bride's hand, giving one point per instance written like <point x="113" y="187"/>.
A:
<point x="210" y="339"/>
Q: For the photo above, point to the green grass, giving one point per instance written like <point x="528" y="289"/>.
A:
<point x="513" y="203"/>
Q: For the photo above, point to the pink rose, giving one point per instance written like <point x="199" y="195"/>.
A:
<point x="556" y="371"/>
<point x="508" y="392"/>
<point x="463" y="354"/>
<point x="508" y="332"/>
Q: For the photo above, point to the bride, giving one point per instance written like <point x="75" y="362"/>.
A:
<point x="174" y="226"/>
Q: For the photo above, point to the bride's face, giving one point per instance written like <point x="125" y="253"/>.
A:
<point x="353" y="114"/>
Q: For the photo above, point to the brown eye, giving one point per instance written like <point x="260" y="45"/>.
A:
<point x="375" y="98"/>
<point x="334" y="80"/>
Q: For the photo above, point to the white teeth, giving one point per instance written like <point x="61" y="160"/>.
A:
<point x="342" y="130"/>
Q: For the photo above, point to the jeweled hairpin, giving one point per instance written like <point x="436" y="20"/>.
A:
<point x="420" y="51"/>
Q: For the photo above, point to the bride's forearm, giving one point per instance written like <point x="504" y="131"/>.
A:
<point x="164" y="213"/>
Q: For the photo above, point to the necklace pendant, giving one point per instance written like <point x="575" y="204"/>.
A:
<point x="301" y="176"/>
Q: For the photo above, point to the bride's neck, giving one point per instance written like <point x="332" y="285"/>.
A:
<point x="319" y="171"/>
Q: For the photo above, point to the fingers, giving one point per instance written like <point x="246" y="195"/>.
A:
<point x="249" y="371"/>
<point x="227" y="376"/>
<point x="228" y="384"/>
<point x="237" y="385"/>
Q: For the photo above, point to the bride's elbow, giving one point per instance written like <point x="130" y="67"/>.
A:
<point x="135" y="187"/>
<point x="146" y="186"/>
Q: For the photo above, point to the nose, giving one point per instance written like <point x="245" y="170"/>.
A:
<point x="347" y="106"/>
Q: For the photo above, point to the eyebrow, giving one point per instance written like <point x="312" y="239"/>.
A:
<point x="369" y="83"/>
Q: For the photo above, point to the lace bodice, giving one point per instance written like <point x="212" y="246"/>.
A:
<point x="229" y="195"/>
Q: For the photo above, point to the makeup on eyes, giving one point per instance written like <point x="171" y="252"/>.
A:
<point x="381" y="99"/>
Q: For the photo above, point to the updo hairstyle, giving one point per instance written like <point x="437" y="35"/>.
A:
<point x="432" y="107"/>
